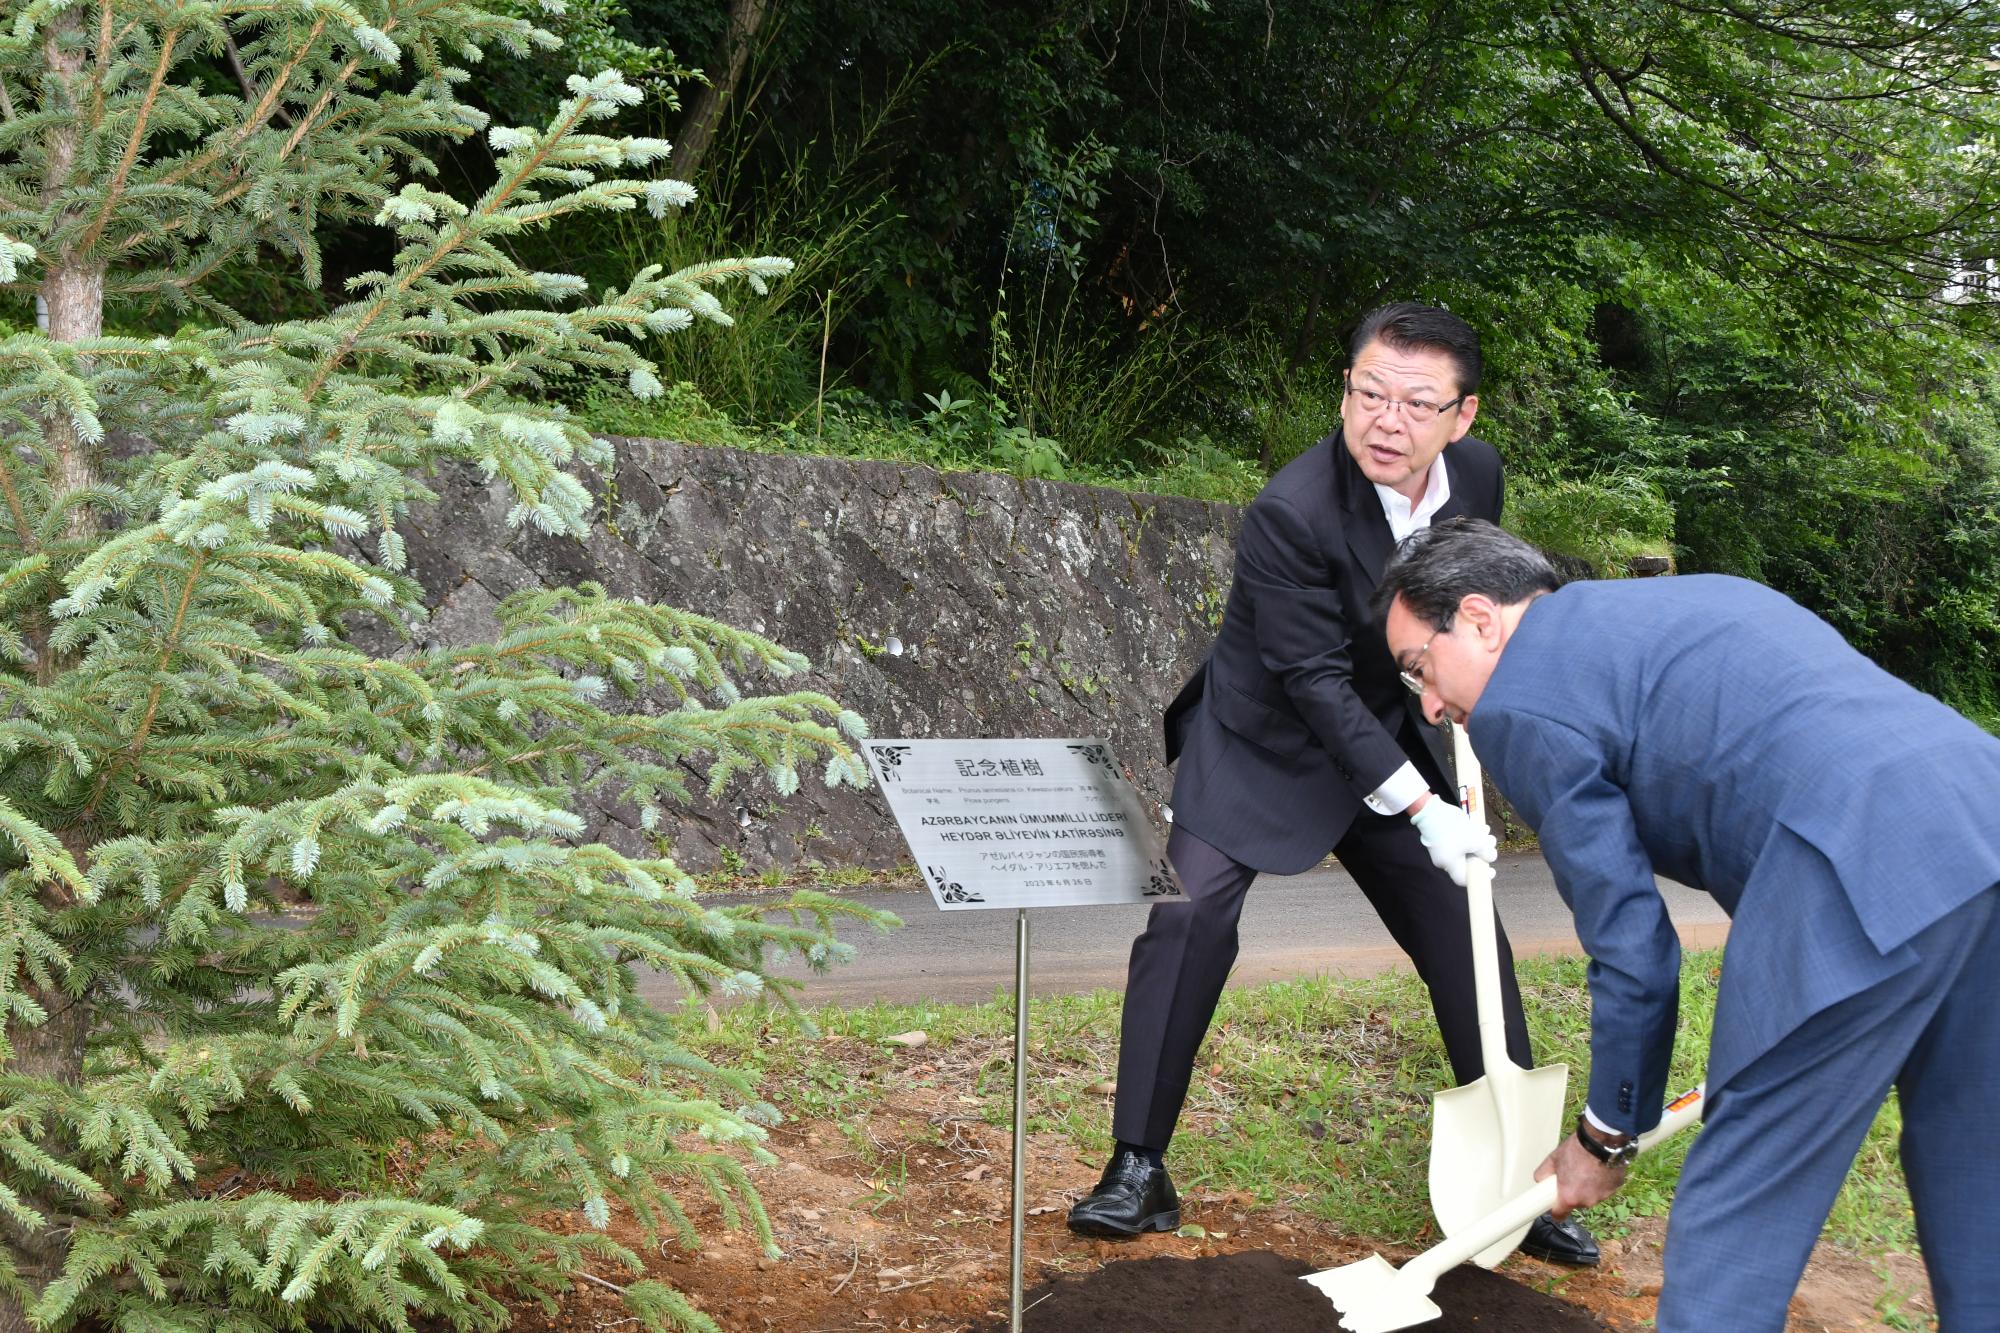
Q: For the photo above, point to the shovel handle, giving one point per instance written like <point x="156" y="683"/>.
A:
<point x="1479" y="909"/>
<point x="1503" y="1221"/>
<point x="1471" y="789"/>
<point x="1532" y="1202"/>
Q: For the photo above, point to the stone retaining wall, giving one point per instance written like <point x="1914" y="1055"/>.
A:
<point x="955" y="604"/>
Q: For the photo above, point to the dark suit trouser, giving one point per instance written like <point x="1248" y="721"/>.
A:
<point x="1180" y="962"/>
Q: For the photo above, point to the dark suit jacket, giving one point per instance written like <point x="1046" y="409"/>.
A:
<point x="1713" y="731"/>
<point x="1298" y="713"/>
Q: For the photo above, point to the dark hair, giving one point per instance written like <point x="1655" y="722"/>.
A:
<point x="1436" y="568"/>
<point x="1408" y="326"/>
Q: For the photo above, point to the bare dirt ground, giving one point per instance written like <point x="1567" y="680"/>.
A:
<point x="901" y="1221"/>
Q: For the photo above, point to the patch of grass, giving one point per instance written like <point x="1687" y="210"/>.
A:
<point x="824" y="1090"/>
<point x="1873" y="1210"/>
<point x="1313" y="1093"/>
<point x="890" y="1178"/>
<point x="1603" y="520"/>
<point x="1194" y="466"/>
<point x="1890" y="1308"/>
<point x="851" y="425"/>
<point x="733" y="877"/>
<point x="853" y="877"/>
<point x="681" y="413"/>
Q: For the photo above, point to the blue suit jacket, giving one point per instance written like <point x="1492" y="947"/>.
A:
<point x="1297" y="713"/>
<point x="1714" y="731"/>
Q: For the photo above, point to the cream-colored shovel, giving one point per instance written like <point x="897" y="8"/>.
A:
<point x="1488" y="1136"/>
<point x="1374" y="1296"/>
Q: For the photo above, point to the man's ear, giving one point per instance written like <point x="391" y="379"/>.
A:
<point x="1482" y="613"/>
<point x="1467" y="410"/>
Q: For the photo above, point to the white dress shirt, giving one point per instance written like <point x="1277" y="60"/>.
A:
<point x="1405" y="785"/>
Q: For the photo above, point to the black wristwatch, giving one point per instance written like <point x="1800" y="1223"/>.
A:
<point x="1620" y="1156"/>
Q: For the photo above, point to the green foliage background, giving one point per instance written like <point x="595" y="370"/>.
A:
<point x="1710" y="248"/>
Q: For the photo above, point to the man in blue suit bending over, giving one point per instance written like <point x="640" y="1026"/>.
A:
<point x="1712" y="731"/>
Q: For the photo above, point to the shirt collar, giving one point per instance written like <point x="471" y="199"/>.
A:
<point x="1404" y="518"/>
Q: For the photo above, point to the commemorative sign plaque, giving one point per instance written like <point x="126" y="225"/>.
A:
<point x="1022" y="823"/>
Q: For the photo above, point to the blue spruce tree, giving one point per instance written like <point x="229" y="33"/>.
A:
<point x="212" y="1118"/>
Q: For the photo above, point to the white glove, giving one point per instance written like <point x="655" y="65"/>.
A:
<point x="1450" y="835"/>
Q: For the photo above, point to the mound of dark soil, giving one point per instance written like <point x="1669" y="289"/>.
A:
<point x="1256" y="1291"/>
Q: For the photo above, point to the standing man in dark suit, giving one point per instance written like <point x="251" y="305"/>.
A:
<point x="1295" y="738"/>
<point x="1713" y="731"/>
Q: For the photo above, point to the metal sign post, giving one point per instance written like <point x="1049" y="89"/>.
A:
<point x="1022" y="823"/>
<point x="1020" y="1234"/>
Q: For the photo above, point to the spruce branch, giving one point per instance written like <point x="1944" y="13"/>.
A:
<point x="137" y="137"/>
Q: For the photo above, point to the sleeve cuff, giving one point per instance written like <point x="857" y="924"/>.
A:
<point x="1596" y="1123"/>
<point x="1398" y="793"/>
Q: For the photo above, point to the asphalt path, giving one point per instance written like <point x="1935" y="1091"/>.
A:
<point x="1293" y="926"/>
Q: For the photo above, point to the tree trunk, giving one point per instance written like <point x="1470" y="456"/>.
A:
<point x="704" y="113"/>
<point x="1308" y="331"/>
<point x="72" y="293"/>
<point x="52" y="1051"/>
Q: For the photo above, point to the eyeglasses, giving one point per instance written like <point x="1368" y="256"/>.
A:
<point x="1413" y="674"/>
<point x="1414" y="409"/>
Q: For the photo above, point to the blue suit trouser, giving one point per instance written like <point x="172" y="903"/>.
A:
<point x="1778" y="1141"/>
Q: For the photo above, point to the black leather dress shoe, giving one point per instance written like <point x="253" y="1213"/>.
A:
<point x="1132" y="1198"/>
<point x="1560" y="1243"/>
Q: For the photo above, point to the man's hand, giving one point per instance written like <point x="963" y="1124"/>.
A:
<point x="1450" y="835"/>
<point x="1581" y="1180"/>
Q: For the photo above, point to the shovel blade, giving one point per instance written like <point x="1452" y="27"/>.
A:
<point x="1487" y="1138"/>
<point x="1373" y="1296"/>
